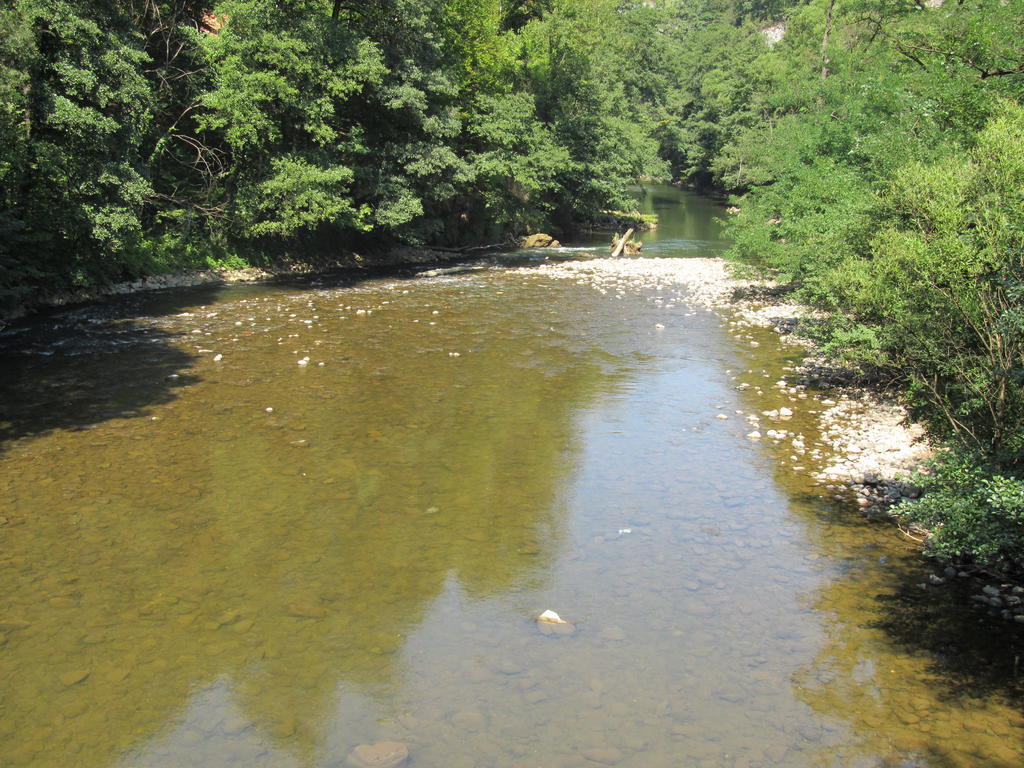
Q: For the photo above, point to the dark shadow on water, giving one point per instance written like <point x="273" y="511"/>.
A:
<point x="77" y="368"/>
<point x="970" y="653"/>
<point x="879" y="595"/>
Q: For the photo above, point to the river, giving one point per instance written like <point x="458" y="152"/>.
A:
<point x="261" y="525"/>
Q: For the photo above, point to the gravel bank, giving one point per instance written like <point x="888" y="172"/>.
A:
<point x="868" y="441"/>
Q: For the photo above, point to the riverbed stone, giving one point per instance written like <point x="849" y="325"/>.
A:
<point x="509" y="667"/>
<point x="383" y="754"/>
<point x="535" y="696"/>
<point x="550" y="623"/>
<point x="469" y="720"/>
<point x="603" y="755"/>
<point x="73" y="676"/>
<point x="307" y="610"/>
<point x="614" y="633"/>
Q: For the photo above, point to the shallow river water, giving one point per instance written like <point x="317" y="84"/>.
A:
<point x="217" y="552"/>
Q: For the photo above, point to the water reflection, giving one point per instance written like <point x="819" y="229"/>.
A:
<point x="288" y="552"/>
<point x="69" y="372"/>
<point x="915" y="681"/>
<point x="688" y="223"/>
<point x="290" y="559"/>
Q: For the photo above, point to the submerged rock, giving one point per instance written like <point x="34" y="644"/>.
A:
<point x="383" y="754"/>
<point x="550" y="623"/>
<point x="471" y="720"/>
<point x="74" y="676"/>
<point x="603" y="755"/>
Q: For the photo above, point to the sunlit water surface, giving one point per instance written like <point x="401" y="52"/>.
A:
<point x="246" y="561"/>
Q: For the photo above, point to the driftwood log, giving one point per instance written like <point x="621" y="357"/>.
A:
<point x="622" y="243"/>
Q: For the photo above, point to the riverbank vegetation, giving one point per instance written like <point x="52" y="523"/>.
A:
<point x="874" y="150"/>
<point x="876" y="159"/>
<point x="160" y="135"/>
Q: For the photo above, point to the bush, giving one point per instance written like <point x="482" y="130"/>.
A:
<point x="971" y="510"/>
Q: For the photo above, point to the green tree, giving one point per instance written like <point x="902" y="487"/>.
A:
<point x="75" y="108"/>
<point x="945" y="288"/>
<point x="283" y="78"/>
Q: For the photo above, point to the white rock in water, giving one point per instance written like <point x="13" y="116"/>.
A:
<point x="218" y="358"/>
<point x="551" y="617"/>
<point x="304" y="361"/>
<point x="550" y="623"/>
<point x="755" y="435"/>
<point x="785" y="412"/>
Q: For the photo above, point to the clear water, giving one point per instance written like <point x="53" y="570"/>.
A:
<point x="192" y="579"/>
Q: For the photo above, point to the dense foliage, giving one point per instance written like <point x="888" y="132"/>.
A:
<point x="877" y="162"/>
<point x="874" y="148"/>
<point x="152" y="135"/>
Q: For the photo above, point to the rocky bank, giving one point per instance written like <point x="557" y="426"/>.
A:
<point x="868" y="444"/>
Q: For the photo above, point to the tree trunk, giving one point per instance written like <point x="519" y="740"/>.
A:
<point x="824" y="38"/>
<point x="622" y="242"/>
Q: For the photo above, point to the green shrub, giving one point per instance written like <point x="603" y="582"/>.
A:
<point x="971" y="510"/>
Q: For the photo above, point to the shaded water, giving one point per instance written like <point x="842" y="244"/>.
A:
<point x="688" y="225"/>
<point x="252" y="562"/>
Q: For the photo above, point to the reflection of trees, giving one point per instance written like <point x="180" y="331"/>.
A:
<point x="909" y="672"/>
<point x="68" y="373"/>
<point x="213" y="544"/>
<point x="690" y="216"/>
<point x="905" y="668"/>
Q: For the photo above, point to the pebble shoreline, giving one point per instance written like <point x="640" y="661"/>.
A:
<point x="869" y="445"/>
<point x="400" y="256"/>
<point x="873" y="443"/>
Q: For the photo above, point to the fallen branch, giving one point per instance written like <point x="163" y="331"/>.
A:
<point x="466" y="248"/>
<point x="622" y="242"/>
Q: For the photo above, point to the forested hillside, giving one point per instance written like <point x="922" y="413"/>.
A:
<point x="874" y="149"/>
<point x="877" y="158"/>
<point x="162" y="134"/>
